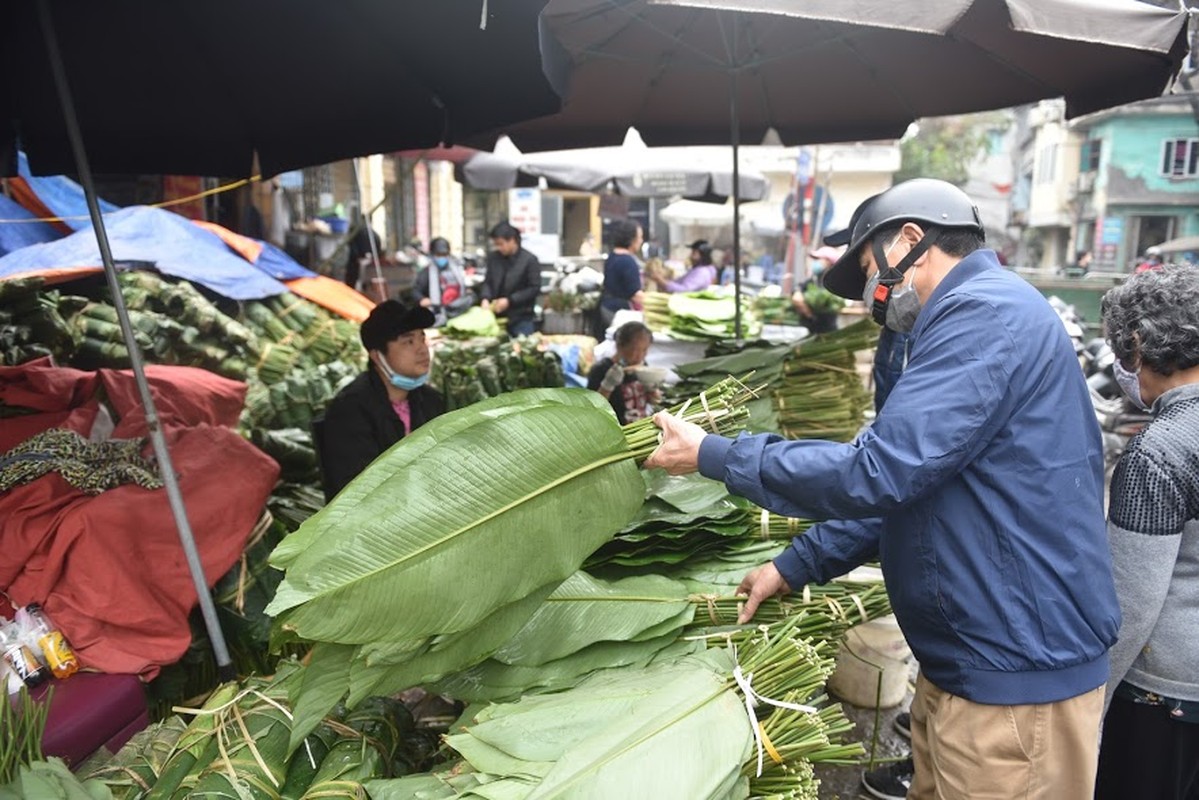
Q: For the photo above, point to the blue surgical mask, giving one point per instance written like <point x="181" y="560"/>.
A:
<point x="817" y="267"/>
<point x="1130" y="382"/>
<point x="441" y="261"/>
<point x="402" y="381"/>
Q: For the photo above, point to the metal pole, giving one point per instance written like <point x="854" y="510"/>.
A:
<point x="735" y="124"/>
<point x="225" y="668"/>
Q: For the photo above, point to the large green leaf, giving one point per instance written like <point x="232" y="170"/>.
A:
<point x="495" y="510"/>
<point x="408" y="451"/>
<point x="583" y="611"/>
<point x="378" y="671"/>
<point x="672" y="731"/>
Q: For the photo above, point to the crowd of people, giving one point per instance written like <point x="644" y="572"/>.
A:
<point x="1038" y="619"/>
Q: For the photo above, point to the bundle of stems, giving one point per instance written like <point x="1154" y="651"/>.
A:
<point x="824" y="612"/>
<point x="719" y="409"/>
<point x="21" y="728"/>
<point x="782" y="663"/>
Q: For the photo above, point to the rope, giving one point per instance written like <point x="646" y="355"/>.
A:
<point x="178" y="201"/>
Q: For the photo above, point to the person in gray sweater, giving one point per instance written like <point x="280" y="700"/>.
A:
<point x="1150" y="744"/>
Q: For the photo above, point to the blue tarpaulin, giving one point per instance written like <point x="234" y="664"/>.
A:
<point x="143" y="234"/>
<point x="280" y="265"/>
<point x="15" y="235"/>
<point x="62" y="196"/>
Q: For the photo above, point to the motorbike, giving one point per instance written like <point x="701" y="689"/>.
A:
<point x="1118" y="419"/>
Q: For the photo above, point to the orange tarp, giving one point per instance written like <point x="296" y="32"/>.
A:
<point x="333" y="295"/>
<point x="244" y="246"/>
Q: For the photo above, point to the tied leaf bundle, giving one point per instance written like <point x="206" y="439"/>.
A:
<point x="813" y="390"/>
<point x="695" y="719"/>
<point x="478" y="509"/>
<point x="710" y="315"/>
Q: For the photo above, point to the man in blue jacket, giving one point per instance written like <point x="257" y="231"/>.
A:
<point x="980" y="489"/>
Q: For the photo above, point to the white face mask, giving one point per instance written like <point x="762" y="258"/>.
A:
<point x="1130" y="382"/>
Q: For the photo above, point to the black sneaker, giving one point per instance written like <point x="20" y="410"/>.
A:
<point x="903" y="725"/>
<point x="890" y="782"/>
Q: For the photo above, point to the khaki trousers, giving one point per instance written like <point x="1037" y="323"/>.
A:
<point x="970" y="751"/>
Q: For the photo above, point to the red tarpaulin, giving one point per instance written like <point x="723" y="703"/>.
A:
<point x="109" y="569"/>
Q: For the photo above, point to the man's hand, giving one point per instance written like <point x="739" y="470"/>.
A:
<point x="499" y="305"/>
<point x="679" y="452"/>
<point x="612" y="378"/>
<point x="485" y="304"/>
<point x="760" y="584"/>
<point x="425" y="302"/>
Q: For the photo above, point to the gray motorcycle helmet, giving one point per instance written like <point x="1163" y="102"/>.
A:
<point x="931" y="203"/>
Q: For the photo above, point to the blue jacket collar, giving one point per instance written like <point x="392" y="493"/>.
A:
<point x="975" y="264"/>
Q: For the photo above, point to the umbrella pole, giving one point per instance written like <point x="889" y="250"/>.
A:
<point x="220" y="650"/>
<point x="736" y="139"/>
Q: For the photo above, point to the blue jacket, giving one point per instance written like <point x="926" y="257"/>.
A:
<point x="980" y="488"/>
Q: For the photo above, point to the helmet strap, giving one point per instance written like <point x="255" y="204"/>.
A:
<point x="891" y="276"/>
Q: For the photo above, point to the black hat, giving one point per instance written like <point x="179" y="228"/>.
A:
<point x="923" y="200"/>
<point x="440" y="246"/>
<point x="699" y="244"/>
<point x="391" y="319"/>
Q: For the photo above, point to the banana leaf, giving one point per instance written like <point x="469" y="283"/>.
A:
<point x="52" y="779"/>
<point x="669" y="731"/>
<point x="572" y="617"/>
<point x="489" y="493"/>
<point x="474" y="322"/>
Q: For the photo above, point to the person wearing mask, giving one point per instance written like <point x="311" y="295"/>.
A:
<point x="512" y="282"/>
<point x="702" y="273"/>
<point x="385" y="403"/>
<point x="622" y="274"/>
<point x="816" y="306"/>
<point x="616" y="378"/>
<point x="1151" y="731"/>
<point x="441" y="286"/>
<point x="958" y="488"/>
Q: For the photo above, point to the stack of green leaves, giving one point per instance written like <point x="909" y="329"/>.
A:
<point x="814" y="390"/>
<point x="656" y="307"/>
<point x="590" y="624"/>
<point x="679" y="728"/>
<point x="776" y="310"/>
<point x="473" y="323"/>
<point x="30" y="324"/>
<point x="709" y="315"/>
<point x="296" y="398"/>
<point x="683" y="517"/>
<point x="236" y="746"/>
<point x="478" y="508"/>
<point x="52" y="779"/>
<point x="467" y="371"/>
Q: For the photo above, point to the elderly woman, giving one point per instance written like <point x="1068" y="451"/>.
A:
<point x="1151" y="731"/>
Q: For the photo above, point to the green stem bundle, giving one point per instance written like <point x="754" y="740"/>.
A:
<point x="21" y="729"/>
<point x="719" y="409"/>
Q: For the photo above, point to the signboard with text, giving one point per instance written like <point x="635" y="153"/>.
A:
<point x="524" y="210"/>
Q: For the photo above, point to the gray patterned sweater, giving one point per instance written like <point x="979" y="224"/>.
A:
<point x="1153" y="526"/>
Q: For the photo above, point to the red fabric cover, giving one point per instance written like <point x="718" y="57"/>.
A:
<point x="110" y="570"/>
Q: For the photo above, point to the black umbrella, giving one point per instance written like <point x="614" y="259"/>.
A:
<point x="195" y="88"/>
<point x="723" y="71"/>
<point x="199" y="88"/>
